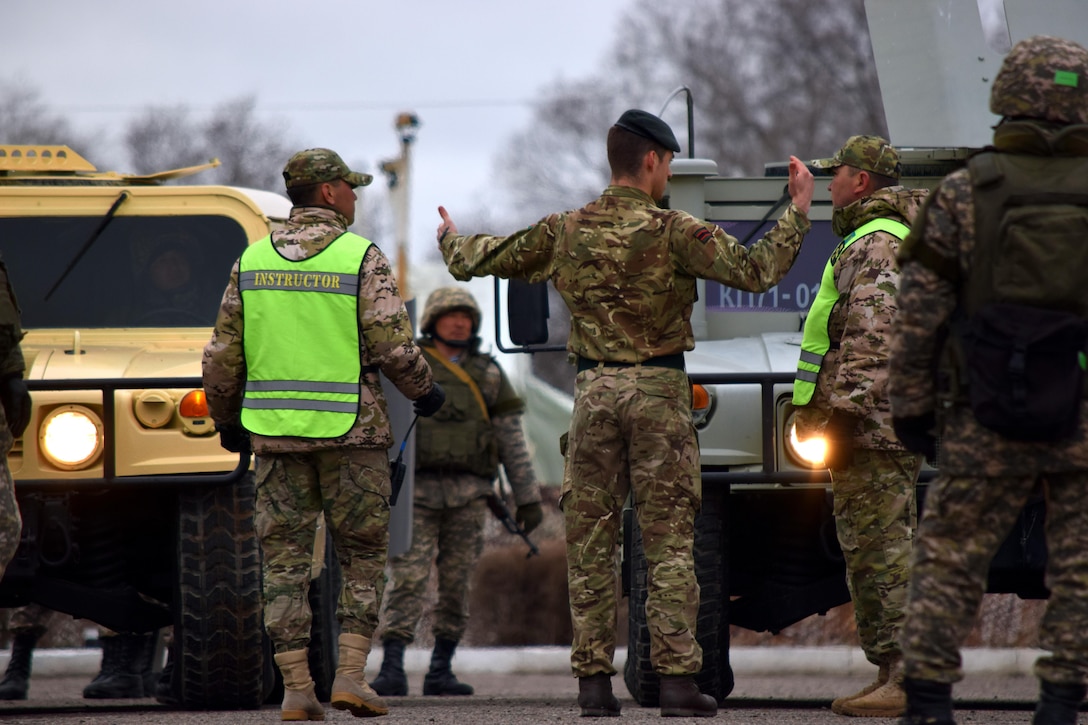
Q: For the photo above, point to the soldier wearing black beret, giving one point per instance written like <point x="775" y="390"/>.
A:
<point x="649" y="126"/>
<point x="626" y="269"/>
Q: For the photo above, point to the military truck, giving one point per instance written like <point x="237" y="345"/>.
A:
<point x="133" y="515"/>
<point x="766" y="551"/>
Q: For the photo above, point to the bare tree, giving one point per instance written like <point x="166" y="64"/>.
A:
<point x="768" y="79"/>
<point x="26" y="119"/>
<point x="252" y="151"/>
<point x="163" y="138"/>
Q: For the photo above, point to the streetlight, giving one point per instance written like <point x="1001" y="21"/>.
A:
<point x="397" y="172"/>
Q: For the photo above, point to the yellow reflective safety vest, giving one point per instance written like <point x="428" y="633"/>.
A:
<point x="301" y="339"/>
<point x="815" y="341"/>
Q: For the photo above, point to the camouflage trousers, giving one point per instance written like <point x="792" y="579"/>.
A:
<point x="351" y="486"/>
<point x="964" y="521"/>
<point x="449" y="540"/>
<point x="876" y="514"/>
<point x="631" y="432"/>
<point x="11" y="523"/>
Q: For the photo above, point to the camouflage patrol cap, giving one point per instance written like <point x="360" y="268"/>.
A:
<point x="314" y="166"/>
<point x="1043" y="77"/>
<point x="448" y="299"/>
<point x="868" y="153"/>
<point x="647" y="125"/>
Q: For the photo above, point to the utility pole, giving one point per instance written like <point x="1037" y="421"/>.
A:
<point x="397" y="174"/>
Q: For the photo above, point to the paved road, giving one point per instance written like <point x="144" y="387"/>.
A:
<point x="522" y="699"/>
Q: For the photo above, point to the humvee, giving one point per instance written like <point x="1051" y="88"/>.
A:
<point x="766" y="551"/>
<point x="133" y="515"/>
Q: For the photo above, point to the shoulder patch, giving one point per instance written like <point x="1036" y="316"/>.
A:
<point x="704" y="235"/>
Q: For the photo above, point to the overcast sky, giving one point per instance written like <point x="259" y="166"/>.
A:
<point x="337" y="72"/>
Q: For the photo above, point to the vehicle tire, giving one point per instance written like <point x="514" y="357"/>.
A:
<point x="323" y="596"/>
<point x="712" y="633"/>
<point x="218" y="646"/>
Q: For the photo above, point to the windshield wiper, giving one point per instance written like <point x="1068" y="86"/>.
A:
<point x="90" y="241"/>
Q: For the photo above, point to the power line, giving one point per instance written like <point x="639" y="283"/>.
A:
<point x="307" y="106"/>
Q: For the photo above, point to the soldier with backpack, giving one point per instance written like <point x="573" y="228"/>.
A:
<point x="993" y="300"/>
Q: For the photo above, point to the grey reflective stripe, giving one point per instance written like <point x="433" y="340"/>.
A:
<point x="332" y="406"/>
<point x="302" y="386"/>
<point x="807" y="376"/>
<point x="811" y="358"/>
<point x="331" y="282"/>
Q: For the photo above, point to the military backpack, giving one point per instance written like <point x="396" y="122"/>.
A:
<point x="1024" y="327"/>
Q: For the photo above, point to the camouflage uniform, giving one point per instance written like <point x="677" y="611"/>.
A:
<point x="449" y="510"/>
<point x="986" y="478"/>
<point x="11" y="367"/>
<point x="874" y="502"/>
<point x="627" y="270"/>
<point x="347" y="477"/>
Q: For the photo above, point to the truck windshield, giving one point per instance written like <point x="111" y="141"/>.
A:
<point x="142" y="271"/>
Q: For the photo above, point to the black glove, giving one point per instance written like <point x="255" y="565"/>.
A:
<point x="16" y="401"/>
<point x="529" y="516"/>
<point x="429" y="404"/>
<point x="839" y="434"/>
<point x="918" y="434"/>
<point x="234" y="437"/>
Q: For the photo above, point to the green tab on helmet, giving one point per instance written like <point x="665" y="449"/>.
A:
<point x="1040" y="79"/>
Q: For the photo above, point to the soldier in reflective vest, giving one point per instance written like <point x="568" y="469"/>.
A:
<point x="841" y="392"/>
<point x="310" y="316"/>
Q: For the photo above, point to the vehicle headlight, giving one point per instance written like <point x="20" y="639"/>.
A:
<point x="702" y="405"/>
<point x="71" y="437"/>
<point x="809" y="452"/>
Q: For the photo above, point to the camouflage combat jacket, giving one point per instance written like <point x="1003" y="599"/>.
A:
<point x="436" y="488"/>
<point x="385" y="334"/>
<point x="853" y="378"/>
<point x="627" y="269"/>
<point x="936" y="260"/>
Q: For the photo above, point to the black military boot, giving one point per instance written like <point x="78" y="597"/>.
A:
<point x="1058" y="704"/>
<point x="16" y="680"/>
<point x="680" y="697"/>
<point x="440" y="679"/>
<point x="144" y="662"/>
<point x="928" y="703"/>
<point x="391" y="680"/>
<point x="595" y="696"/>
<point x="120" y="674"/>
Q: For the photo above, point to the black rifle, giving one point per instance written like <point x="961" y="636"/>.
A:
<point x="398" y="467"/>
<point x="503" y="515"/>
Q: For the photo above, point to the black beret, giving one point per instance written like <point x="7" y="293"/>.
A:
<point x="649" y="126"/>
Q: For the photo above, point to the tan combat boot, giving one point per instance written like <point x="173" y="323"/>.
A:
<point x="881" y="678"/>
<point x="350" y="690"/>
<point x="299" y="700"/>
<point x="888" y="700"/>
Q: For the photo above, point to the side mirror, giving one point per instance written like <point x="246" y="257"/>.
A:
<point x="527" y="305"/>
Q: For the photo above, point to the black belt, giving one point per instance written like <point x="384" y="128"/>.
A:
<point x="674" y="361"/>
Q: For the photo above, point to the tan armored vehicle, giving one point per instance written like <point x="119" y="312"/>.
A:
<point x="133" y="515"/>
